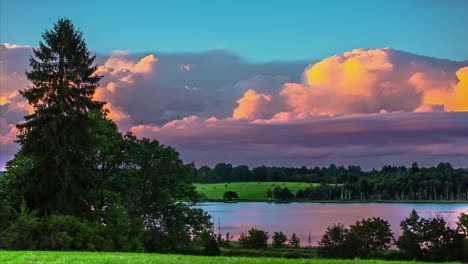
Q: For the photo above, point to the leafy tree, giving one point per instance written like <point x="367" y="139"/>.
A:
<point x="279" y="239"/>
<point x="332" y="244"/>
<point x="430" y="239"/>
<point x="256" y="239"/>
<point x="241" y="173"/>
<point x="410" y="241"/>
<point x="295" y="241"/>
<point x="229" y="195"/>
<point x="368" y="235"/>
<point x="59" y="140"/>
<point x="156" y="185"/>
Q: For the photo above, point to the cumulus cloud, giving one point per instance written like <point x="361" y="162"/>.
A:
<point x="367" y="81"/>
<point x="254" y="105"/>
<point x="215" y="107"/>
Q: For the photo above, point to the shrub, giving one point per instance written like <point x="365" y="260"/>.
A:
<point x="229" y="195"/>
<point x="256" y="239"/>
<point x="23" y="232"/>
<point x="212" y="247"/>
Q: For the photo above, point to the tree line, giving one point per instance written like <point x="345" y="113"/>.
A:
<point x="426" y="239"/>
<point x="442" y="182"/>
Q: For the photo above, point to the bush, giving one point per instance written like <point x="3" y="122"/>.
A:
<point x="71" y="233"/>
<point x="256" y="239"/>
<point x="229" y="195"/>
<point x="212" y="247"/>
<point x="23" y="233"/>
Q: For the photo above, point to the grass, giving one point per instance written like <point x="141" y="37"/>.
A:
<point x="48" y="257"/>
<point x="256" y="191"/>
<point x="246" y="190"/>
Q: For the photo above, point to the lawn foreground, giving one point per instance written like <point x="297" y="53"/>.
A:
<point x="49" y="257"/>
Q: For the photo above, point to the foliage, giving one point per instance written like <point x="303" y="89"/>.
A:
<point x="294" y="241"/>
<point x="256" y="239"/>
<point x="279" y="239"/>
<point x="369" y="235"/>
<point x="442" y="182"/>
<point x="332" y="244"/>
<point x="226" y="241"/>
<point x="212" y="247"/>
<point x="431" y="239"/>
<point x="229" y="195"/>
<point x="63" y="83"/>
<point x="362" y="239"/>
<point x="90" y="187"/>
<point x="282" y="194"/>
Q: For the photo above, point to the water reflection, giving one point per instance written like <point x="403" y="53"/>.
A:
<point x="302" y="218"/>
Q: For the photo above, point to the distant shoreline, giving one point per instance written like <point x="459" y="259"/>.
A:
<point x="341" y="202"/>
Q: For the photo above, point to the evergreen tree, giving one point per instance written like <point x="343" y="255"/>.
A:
<point x="58" y="139"/>
<point x="295" y="241"/>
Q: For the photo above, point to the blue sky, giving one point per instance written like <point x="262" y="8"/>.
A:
<point x="257" y="30"/>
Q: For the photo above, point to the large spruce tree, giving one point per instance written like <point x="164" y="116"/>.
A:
<point x="58" y="140"/>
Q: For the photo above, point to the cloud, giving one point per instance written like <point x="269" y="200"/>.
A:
<point x="430" y="108"/>
<point x="367" y="81"/>
<point x="369" y="140"/>
<point x="215" y="107"/>
<point x="254" y="105"/>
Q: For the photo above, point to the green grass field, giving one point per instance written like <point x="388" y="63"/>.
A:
<point x="47" y="257"/>
<point x="246" y="190"/>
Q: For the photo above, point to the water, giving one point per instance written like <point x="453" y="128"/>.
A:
<point x="302" y="218"/>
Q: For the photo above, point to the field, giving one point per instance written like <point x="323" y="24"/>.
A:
<point x="47" y="257"/>
<point x="246" y="190"/>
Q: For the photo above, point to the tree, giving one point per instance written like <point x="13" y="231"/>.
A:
<point x="155" y="184"/>
<point x="256" y="239"/>
<point x="368" y="235"/>
<point x="332" y="244"/>
<point x="295" y="241"/>
<point x="59" y="138"/>
<point x="279" y="239"/>
<point x="229" y="195"/>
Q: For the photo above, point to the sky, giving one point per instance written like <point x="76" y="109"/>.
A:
<point x="260" y="30"/>
<point x="280" y="83"/>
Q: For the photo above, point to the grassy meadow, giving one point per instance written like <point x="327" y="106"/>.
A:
<point x="247" y="190"/>
<point x="55" y="257"/>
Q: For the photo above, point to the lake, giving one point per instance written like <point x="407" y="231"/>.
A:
<point x="302" y="218"/>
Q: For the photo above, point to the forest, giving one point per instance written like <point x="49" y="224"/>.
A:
<point x="442" y="182"/>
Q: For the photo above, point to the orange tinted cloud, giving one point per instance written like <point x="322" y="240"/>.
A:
<point x="253" y="105"/>
<point x="455" y="98"/>
<point x="370" y="81"/>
